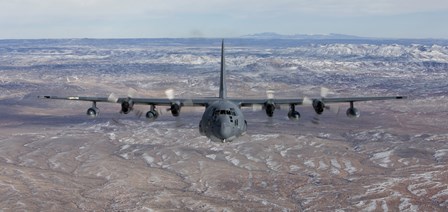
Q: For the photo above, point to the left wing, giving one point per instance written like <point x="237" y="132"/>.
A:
<point x="144" y="101"/>
<point x="127" y="104"/>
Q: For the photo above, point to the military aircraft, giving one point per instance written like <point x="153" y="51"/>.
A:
<point x="222" y="120"/>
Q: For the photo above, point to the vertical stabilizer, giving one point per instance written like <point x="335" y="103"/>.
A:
<point x="222" y="85"/>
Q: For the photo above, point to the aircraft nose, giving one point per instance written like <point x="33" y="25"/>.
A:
<point x="225" y="131"/>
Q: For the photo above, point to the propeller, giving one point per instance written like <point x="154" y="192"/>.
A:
<point x="336" y="109"/>
<point x="269" y="96"/>
<point x="138" y="113"/>
<point x="131" y="93"/>
<point x="315" y="120"/>
<point x="169" y="94"/>
<point x="307" y="101"/>
<point x="112" y="98"/>
<point x="323" y="94"/>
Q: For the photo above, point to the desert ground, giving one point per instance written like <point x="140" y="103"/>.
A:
<point x="55" y="158"/>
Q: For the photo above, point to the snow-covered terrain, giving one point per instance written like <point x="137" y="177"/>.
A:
<point x="393" y="158"/>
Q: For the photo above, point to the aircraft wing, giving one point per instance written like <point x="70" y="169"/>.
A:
<point x="167" y="102"/>
<point x="360" y="99"/>
<point x="144" y="101"/>
<point x="250" y="102"/>
<point x="76" y="98"/>
<point x="206" y="101"/>
<point x="298" y="101"/>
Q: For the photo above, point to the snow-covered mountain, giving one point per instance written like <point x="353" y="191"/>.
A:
<point x="344" y="64"/>
<point x="273" y="35"/>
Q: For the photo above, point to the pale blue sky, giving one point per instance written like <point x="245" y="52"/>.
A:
<point x="213" y="18"/>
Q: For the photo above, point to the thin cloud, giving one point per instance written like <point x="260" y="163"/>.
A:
<point x="136" y="7"/>
<point x="175" y="16"/>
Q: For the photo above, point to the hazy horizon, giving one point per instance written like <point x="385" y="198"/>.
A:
<point x="256" y="35"/>
<point x="412" y="19"/>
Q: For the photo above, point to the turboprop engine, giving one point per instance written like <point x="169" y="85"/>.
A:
<point x="270" y="108"/>
<point x="127" y="106"/>
<point x="175" y="109"/>
<point x="318" y="106"/>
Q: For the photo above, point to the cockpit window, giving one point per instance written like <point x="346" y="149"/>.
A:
<point x="225" y="112"/>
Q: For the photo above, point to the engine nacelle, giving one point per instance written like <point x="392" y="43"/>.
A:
<point x="175" y="109"/>
<point x="152" y="115"/>
<point x="353" y="112"/>
<point x="293" y="115"/>
<point x="127" y="106"/>
<point x="318" y="106"/>
<point x="93" y="112"/>
<point x="270" y="108"/>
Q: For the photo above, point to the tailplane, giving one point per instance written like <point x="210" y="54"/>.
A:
<point x="222" y="86"/>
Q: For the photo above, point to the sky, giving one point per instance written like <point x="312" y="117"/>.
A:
<point x="221" y="19"/>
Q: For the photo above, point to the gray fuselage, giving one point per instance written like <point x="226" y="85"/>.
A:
<point x="222" y="121"/>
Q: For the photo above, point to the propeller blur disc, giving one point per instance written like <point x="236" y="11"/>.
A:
<point x="270" y="94"/>
<point x="112" y="98"/>
<point x="131" y="92"/>
<point x="324" y="92"/>
<point x="307" y="101"/>
<point x="169" y="94"/>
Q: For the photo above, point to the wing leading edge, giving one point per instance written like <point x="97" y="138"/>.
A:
<point x="250" y="102"/>
<point x="207" y="101"/>
<point x="142" y="101"/>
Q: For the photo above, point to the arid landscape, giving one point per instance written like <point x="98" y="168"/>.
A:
<point x="55" y="158"/>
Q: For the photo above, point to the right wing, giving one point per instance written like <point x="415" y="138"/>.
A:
<point x="298" y="101"/>
<point x="360" y="99"/>
<point x="318" y="104"/>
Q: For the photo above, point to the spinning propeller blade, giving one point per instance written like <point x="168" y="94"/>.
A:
<point x="112" y="98"/>
<point x="169" y="94"/>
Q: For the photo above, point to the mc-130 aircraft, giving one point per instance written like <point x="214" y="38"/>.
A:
<point x="223" y="120"/>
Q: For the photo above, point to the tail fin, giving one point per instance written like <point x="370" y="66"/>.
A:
<point x="222" y="86"/>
